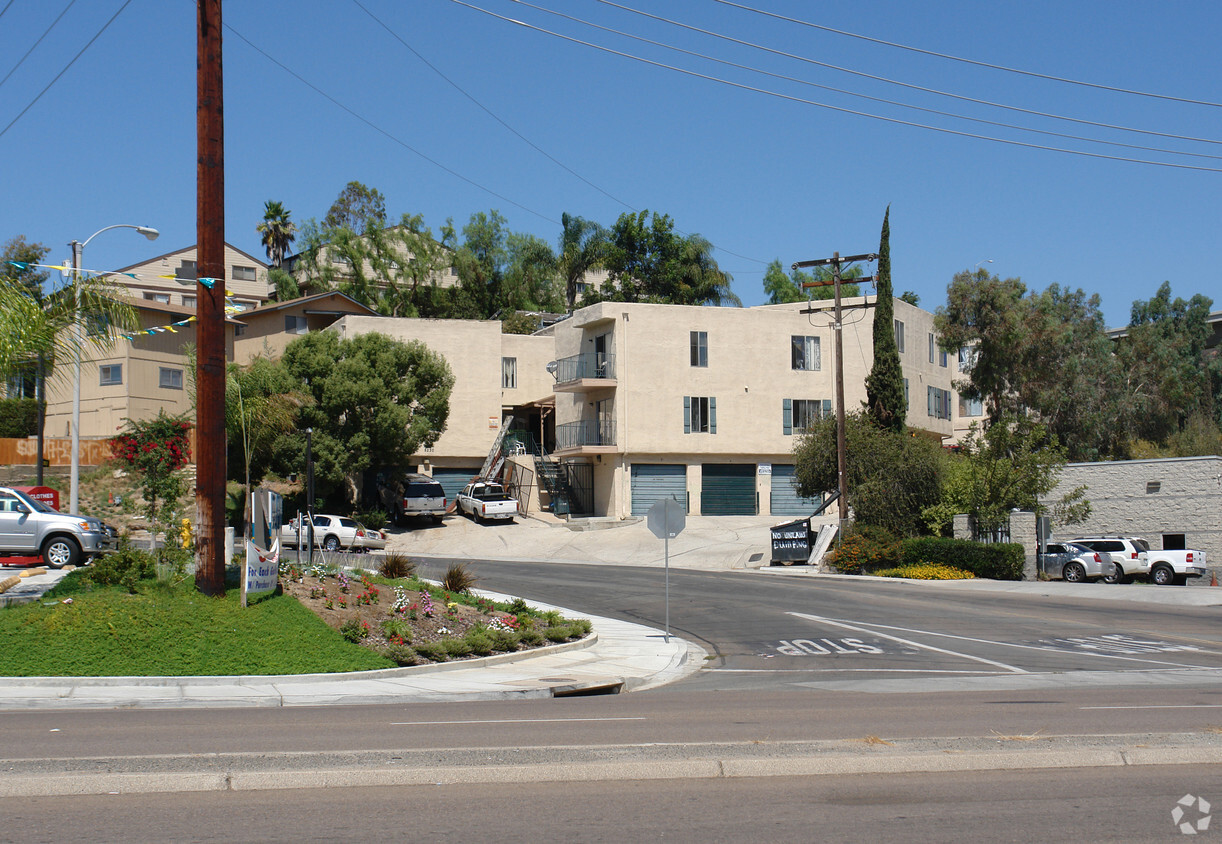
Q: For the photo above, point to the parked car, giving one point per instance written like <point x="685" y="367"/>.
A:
<point x="372" y="540"/>
<point x="331" y="533"/>
<point x="30" y="528"/>
<point x="1167" y="567"/>
<point x="1075" y="563"/>
<point x="423" y="496"/>
<point x="486" y="500"/>
<point x="1130" y="555"/>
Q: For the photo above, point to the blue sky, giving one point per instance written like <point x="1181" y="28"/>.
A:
<point x="761" y="176"/>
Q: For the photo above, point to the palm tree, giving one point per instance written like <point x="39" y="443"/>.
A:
<point x="277" y="230"/>
<point x="701" y="281"/>
<point x="583" y="245"/>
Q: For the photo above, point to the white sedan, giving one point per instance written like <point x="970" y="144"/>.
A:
<point x="331" y="533"/>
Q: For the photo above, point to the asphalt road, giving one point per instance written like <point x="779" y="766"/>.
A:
<point x="1133" y="805"/>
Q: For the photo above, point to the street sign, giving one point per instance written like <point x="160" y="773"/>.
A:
<point x="666" y="518"/>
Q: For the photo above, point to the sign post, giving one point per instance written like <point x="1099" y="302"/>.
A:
<point x="666" y="519"/>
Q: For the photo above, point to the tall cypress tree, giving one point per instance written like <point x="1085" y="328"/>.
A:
<point x="885" y="383"/>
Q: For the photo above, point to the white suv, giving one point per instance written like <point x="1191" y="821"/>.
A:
<point x="1130" y="555"/>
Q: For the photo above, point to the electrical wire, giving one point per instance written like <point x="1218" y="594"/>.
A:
<point x="36" y="43"/>
<point x="799" y="81"/>
<point x="384" y="132"/>
<point x="840" y="109"/>
<point x="950" y="57"/>
<point x="518" y="134"/>
<point x="921" y="88"/>
<point x="80" y="53"/>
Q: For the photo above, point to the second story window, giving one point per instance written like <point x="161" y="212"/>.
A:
<point x="799" y="414"/>
<point x="939" y="403"/>
<point x="899" y="336"/>
<point x="699" y="415"/>
<point x="700" y="348"/>
<point x="295" y="325"/>
<point x="163" y="298"/>
<point x="243" y="273"/>
<point x="509" y="373"/>
<point x="804" y="353"/>
<point x="933" y="346"/>
<point x="110" y="373"/>
<point x="170" y="378"/>
<point x="969" y="408"/>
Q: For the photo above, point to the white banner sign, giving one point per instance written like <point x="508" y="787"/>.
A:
<point x="262" y="568"/>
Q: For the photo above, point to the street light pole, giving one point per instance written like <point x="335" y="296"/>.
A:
<point x="78" y="250"/>
<point x="310" y="492"/>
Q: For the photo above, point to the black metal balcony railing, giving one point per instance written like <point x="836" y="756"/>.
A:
<point x="587" y="432"/>
<point x="589" y="365"/>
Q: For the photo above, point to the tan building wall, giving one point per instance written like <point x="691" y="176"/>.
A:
<point x="749" y="373"/>
<point x="141" y="392"/>
<point x="473" y="349"/>
<point x="149" y="281"/>
<point x="265" y="331"/>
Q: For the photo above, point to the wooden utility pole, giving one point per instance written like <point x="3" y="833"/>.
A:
<point x="842" y="472"/>
<point x="210" y="308"/>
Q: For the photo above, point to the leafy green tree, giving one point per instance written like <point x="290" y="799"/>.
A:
<point x="1171" y="378"/>
<point x="358" y="208"/>
<point x="1047" y="352"/>
<point x="262" y="402"/>
<point x="783" y="288"/>
<point x="531" y="281"/>
<point x="648" y="262"/>
<point x="885" y="400"/>
<point x="1012" y="466"/>
<point x="277" y="232"/>
<point x="911" y="298"/>
<point x="583" y="249"/>
<point x="284" y="285"/>
<point x="374" y="403"/>
<point x="892" y="477"/>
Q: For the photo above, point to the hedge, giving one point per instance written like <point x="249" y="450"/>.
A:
<point x="18" y="418"/>
<point x="995" y="561"/>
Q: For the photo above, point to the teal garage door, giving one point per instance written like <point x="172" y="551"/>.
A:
<point x="728" y="489"/>
<point x="785" y="500"/>
<point x="453" y="480"/>
<point x="653" y="482"/>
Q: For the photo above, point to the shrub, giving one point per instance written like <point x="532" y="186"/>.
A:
<point x="396" y="566"/>
<point x="436" y="651"/>
<point x="926" y="571"/>
<point x="372" y="518"/>
<point x="455" y="647"/>
<point x="531" y="637"/>
<point x="518" y="605"/>
<point x="401" y="654"/>
<point x="458" y="579"/>
<point x="504" y="640"/>
<point x="354" y="630"/>
<point x="866" y="548"/>
<point x="127" y="567"/>
<point x="995" y="561"/>
<point x="396" y="628"/>
<point x="480" y="641"/>
<point x="18" y="418"/>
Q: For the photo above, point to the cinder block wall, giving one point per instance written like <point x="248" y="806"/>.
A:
<point x="1151" y="499"/>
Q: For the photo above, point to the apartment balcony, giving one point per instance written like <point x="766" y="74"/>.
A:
<point x="589" y="436"/>
<point x="583" y="373"/>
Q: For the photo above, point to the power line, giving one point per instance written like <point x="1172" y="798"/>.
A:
<point x="842" y="110"/>
<point x="66" y="67"/>
<point x="1019" y="71"/>
<point x="515" y="132"/>
<point x="36" y="43"/>
<point x="384" y="132"/>
<point x="799" y="81"/>
<point x="910" y="86"/>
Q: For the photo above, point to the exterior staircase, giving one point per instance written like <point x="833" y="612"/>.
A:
<point x="554" y="479"/>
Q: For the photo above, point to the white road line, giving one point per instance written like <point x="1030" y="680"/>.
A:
<point x="1043" y="648"/>
<point x="842" y="670"/>
<point x="1011" y="668"/>
<point x="508" y="721"/>
<point x="1161" y="706"/>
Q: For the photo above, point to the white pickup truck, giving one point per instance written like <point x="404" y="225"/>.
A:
<point x="486" y="500"/>
<point x="1168" y="567"/>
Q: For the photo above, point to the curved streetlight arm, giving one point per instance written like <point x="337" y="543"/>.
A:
<point x="148" y="231"/>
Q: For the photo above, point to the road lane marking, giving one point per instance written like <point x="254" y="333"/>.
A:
<point x="1011" y="668"/>
<point x="1162" y="706"/>
<point x="1015" y="644"/>
<point x="508" y="721"/>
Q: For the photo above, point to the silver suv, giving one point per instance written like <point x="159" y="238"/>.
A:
<point x="29" y="528"/>
<point x="1130" y="554"/>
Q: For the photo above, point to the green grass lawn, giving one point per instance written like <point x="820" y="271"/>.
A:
<point x="169" y="631"/>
